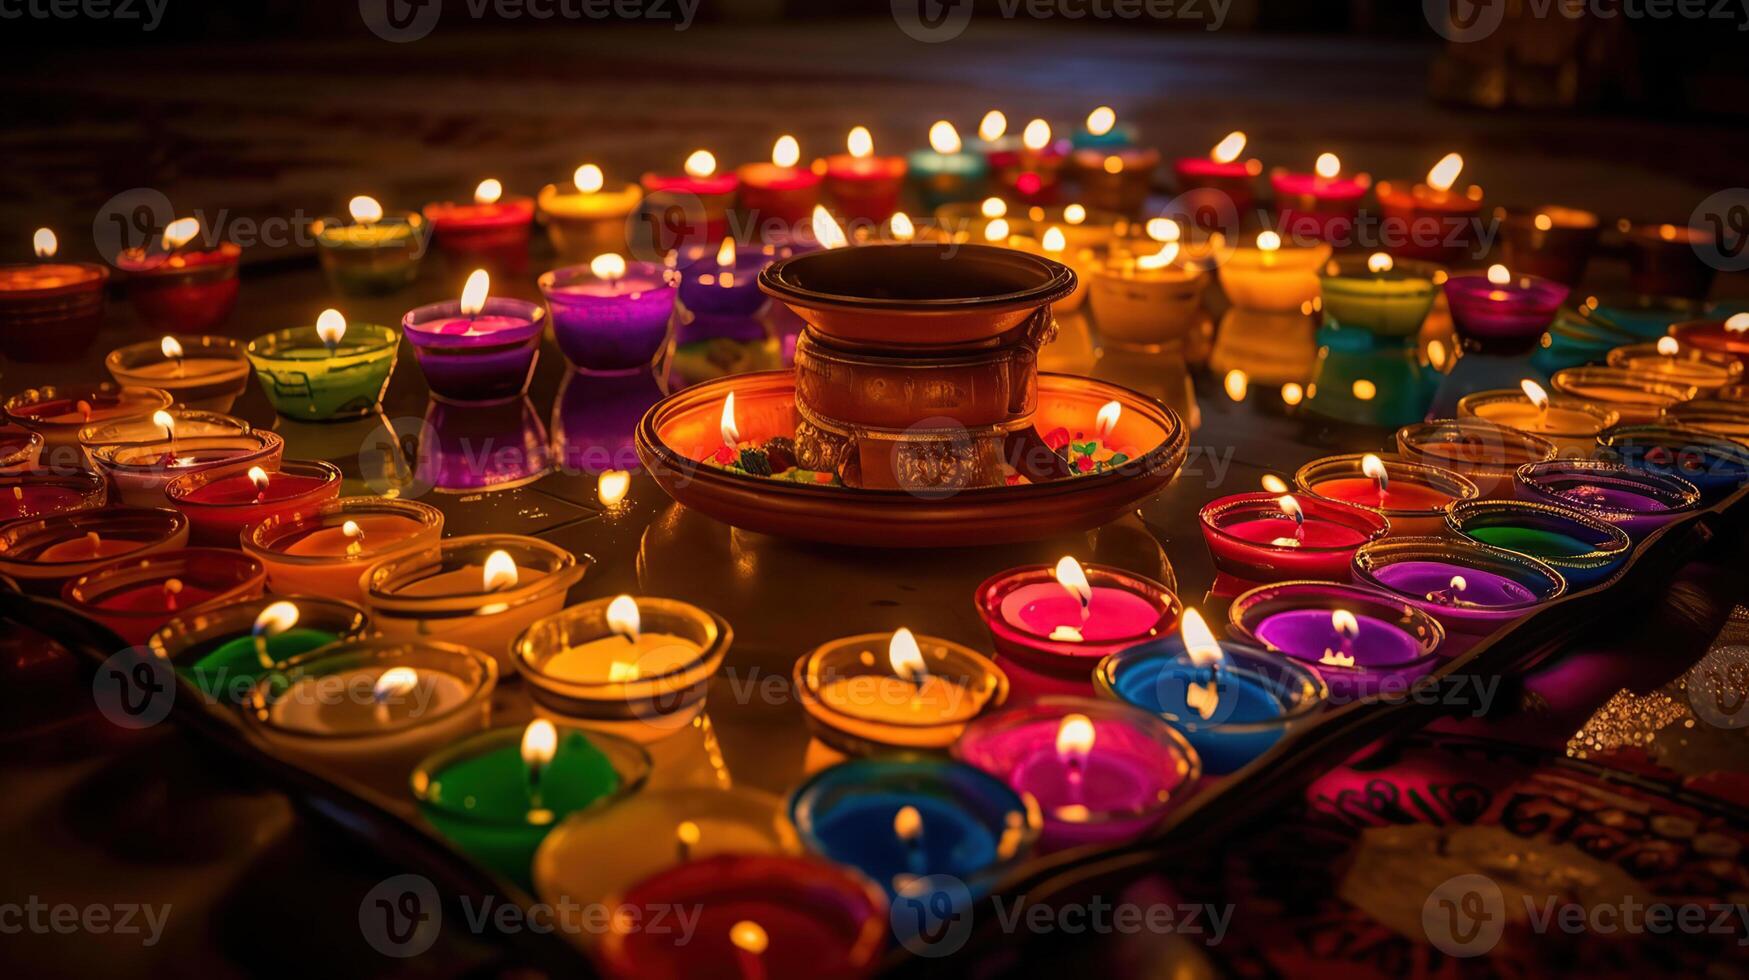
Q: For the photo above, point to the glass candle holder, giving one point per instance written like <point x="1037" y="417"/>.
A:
<point x="582" y="225"/>
<point x="859" y="703"/>
<point x="1115" y="178"/>
<point x="1716" y="466"/>
<point x="968" y="824"/>
<point x="1433" y="225"/>
<point x="470" y="234"/>
<point x="214" y="647"/>
<point x="686" y="210"/>
<point x="50" y="311"/>
<point x="940" y="178"/>
<point x="1690" y="365"/>
<point x="58" y="412"/>
<point x="20" y="448"/>
<point x="136" y="596"/>
<point x="41" y="553"/>
<point x="1029" y="176"/>
<point x="192" y="289"/>
<point x="1494" y="318"/>
<point x="1384" y="648"/>
<point x="1551" y="241"/>
<point x="864" y="189"/>
<point x="1635" y="398"/>
<point x="708" y="286"/>
<point x="42" y="493"/>
<point x="371" y="259"/>
<point x="309" y="549"/>
<point x="1582" y="548"/>
<point x="1386" y="302"/>
<point x="306" y="379"/>
<point x="1570" y="423"/>
<point x="1208" y="184"/>
<point x="1635" y="500"/>
<point x="1317" y="208"/>
<point x="329" y="709"/>
<point x="484" y="357"/>
<point x="778" y="201"/>
<point x="1412" y="497"/>
<point x="1714" y="337"/>
<point x="1472" y="589"/>
<point x="1257" y="696"/>
<point x="1132" y="770"/>
<point x="645" y="686"/>
<point x="814" y="919"/>
<point x="1369" y="369"/>
<point x="1026" y="610"/>
<point x="1145" y="309"/>
<point x="450" y="458"/>
<point x="1729" y="419"/>
<point x="139" y="461"/>
<point x="444" y="592"/>
<point x="480" y="795"/>
<point x="1481" y="452"/>
<point x="612" y="326"/>
<point x="1280" y="280"/>
<point x="209" y="375"/>
<point x="1665" y="259"/>
<point x="221" y="504"/>
<point x="1252" y="539"/>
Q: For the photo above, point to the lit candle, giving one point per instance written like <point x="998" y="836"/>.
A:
<point x="491" y="230"/>
<point x="373" y="252"/>
<point x="1221" y="177"/>
<point x="1635" y="397"/>
<point x="946" y="172"/>
<point x="1061" y="620"/>
<point x="1430" y="220"/>
<point x="199" y="372"/>
<point x="1272" y="276"/>
<point x="1147" y="301"/>
<point x="1572" y="425"/>
<point x="778" y="197"/>
<point x="1470" y="588"/>
<point x="177" y="282"/>
<point x="1320" y="205"/>
<point x="41" y="493"/>
<point x="221" y="503"/>
<point x="611" y="316"/>
<point x="333" y="370"/>
<point x="1031" y="172"/>
<point x="1112" y="172"/>
<point x="858" y="702"/>
<point x="49" y="310"/>
<point x="58" y="412"/>
<point x="42" y="553"/>
<point x="699" y="196"/>
<point x="1482" y="452"/>
<point x="227" y="663"/>
<point x="322" y="550"/>
<point x="1668" y="359"/>
<point x="1258" y="537"/>
<point x="585" y="219"/>
<point x="1412" y="497"/>
<point x="134" y="597"/>
<point x="1728" y="337"/>
<point x="864" y="187"/>
<point x="1356" y="639"/>
<point x="480" y="349"/>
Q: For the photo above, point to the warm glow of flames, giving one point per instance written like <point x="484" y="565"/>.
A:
<point x="1458" y="583"/>
<point x="1159" y="260"/>
<point x="608" y="265"/>
<point x="687" y="833"/>
<point x="488" y="191"/>
<point x="474" y="292"/>
<point x="1237" y="383"/>
<point x="588" y="179"/>
<point x="330" y="326"/>
<point x="1328" y="166"/>
<point x="499" y="572"/>
<point x="1535" y="393"/>
<point x="1228" y="149"/>
<point x="1199" y="640"/>
<point x="1292" y="393"/>
<point x="993" y="207"/>
<point x="905" y="656"/>
<point x="1668" y="346"/>
<point x="1268" y="241"/>
<point x="612" y="486"/>
<point x="623" y="618"/>
<point x="540" y="742"/>
<point x="1499" y="275"/>
<point x="1374" y="468"/>
<point x="731" y="432"/>
<point x="1544" y="222"/>
<point x="1291" y="508"/>
<point x="258" y="476"/>
<point x="1738" y="323"/>
<point x="1074" y="214"/>
<point x="943" y="138"/>
<point x="1364" y="389"/>
<point x="900" y="226"/>
<point x="164" y="420"/>
<point x="171" y="348"/>
<point x="1075" y="737"/>
<point x="1344" y="623"/>
<point x="749" y="937"/>
<point x="352" y="531"/>
<point x="1053" y="240"/>
<point x="996" y="231"/>
<point x="1037" y="135"/>
<point x="700" y="164"/>
<point x="786" y="152"/>
<point x="726" y="253"/>
<point x="1106" y="419"/>
<point x="908" y="823"/>
<point x="992" y="126"/>
<point x="180" y="232"/>
<point x="1445" y="172"/>
<point x="1273" y="483"/>
<point x="1380" y="262"/>
<point x="1164" y="230"/>
<point x="45" y="243"/>
<point x="826" y="230"/>
<point x="365" y="210"/>
<point x="1073" y="578"/>
<point x="860" y="142"/>
<point x="275" y="619"/>
<point x="396" y="682"/>
<point x="1100" y="120"/>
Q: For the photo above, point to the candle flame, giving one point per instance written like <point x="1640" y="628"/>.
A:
<point x="993" y="207"/>
<point x="352" y="532"/>
<point x="1499" y="275"/>
<point x="611" y="487"/>
<point x="1106" y="419"/>
<point x="330" y="326"/>
<point x="1164" y="230"/>
<point x="730" y="431"/>
<point x="1053" y="240"/>
<point x="180" y="232"/>
<point x="1073" y="579"/>
<point x="826" y="230"/>
<point x="365" y="210"/>
<point x="900" y="226"/>
<point x="1344" y="623"/>
<point x="1273" y="483"/>
<point x="275" y="619"/>
<point x="1292" y="393"/>
<point x="749" y="937"/>
<point x="1037" y="135"/>
<point x="1100" y="120"/>
<point x="171" y="348"/>
<point x="1229" y="148"/>
<point x="499" y="572"/>
<point x="992" y="126"/>
<point x="488" y="191"/>
<point x="45" y="243"/>
<point x="905" y="656"/>
<point x="996" y="230"/>
<point x="786" y="152"/>
<point x="588" y="179"/>
<point x="1668" y="346"/>
<point x="700" y="164"/>
<point x="1075" y="737"/>
<point x="1445" y="172"/>
<point x="258" y="476"/>
<point x="908" y="823"/>
<point x="164" y="420"/>
<point x="1159" y="260"/>
<point x="474" y="292"/>
<point x="1380" y="262"/>
<point x="623" y="618"/>
<point x="687" y="833"/>
<point x="1074" y="214"/>
<point x="395" y="683"/>
<point x="1535" y="393"/>
<point x="860" y="142"/>
<point x="1291" y="508"/>
<point x="1544" y="222"/>
<point x="1328" y="166"/>
<point x="1374" y="468"/>
<point x="540" y="742"/>
<point x="1199" y="641"/>
<point x="1237" y="383"/>
<point x="1738" y="323"/>
<point x="943" y="138"/>
<point x="1268" y="241"/>
<point x="726" y="253"/>
<point x="1458" y="583"/>
<point x="608" y="265"/>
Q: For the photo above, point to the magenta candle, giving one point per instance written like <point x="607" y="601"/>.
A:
<point x="188" y="289"/>
<point x="1636" y="500"/>
<point x="611" y="316"/>
<point x="1358" y="639"/>
<point x="50" y="311"/>
<point x="1102" y="771"/>
<point x="40" y="493"/>
<point x="1471" y="588"/>
<point x="1412" y="497"/>
<point x="221" y="504"/>
<point x="491" y="231"/>
<point x="1498" y="312"/>
<point x="480" y="349"/>
<point x="58" y="412"/>
<point x="1318" y="206"/>
<point x="137" y="595"/>
<point x="1257" y="537"/>
<point x="1062" y="620"/>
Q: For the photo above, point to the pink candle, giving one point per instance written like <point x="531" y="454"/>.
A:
<point x="1319" y="205"/>
<point x="1061" y="620"/>
<point x="1262" y="537"/>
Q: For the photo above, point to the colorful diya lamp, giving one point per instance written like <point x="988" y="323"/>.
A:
<point x="1635" y="500"/>
<point x="1272" y="276"/>
<point x="1668" y="359"/>
<point x="1551" y="242"/>
<point x="611" y="316"/>
<point x="1101" y="772"/>
<point x="479" y="349"/>
<point x="1232" y="701"/>
<point x="1482" y="452"/>
<point x="723" y="280"/>
<point x="1635" y="398"/>
<point x="1412" y="497"/>
<point x="136" y="596"/>
<point x="1729" y="337"/>
<point x="496" y="794"/>
<point x="41" y="553"/>
<point x="199" y="372"/>
<point x="1220" y="180"/>
<point x="1496" y="312"/>
<point x="1146" y="302"/>
<point x="1432" y="220"/>
<point x="1385" y="296"/>
<point x="490" y="231"/>
<point x="1584" y="549"/>
<point x="1321" y="205"/>
<point x="1570" y="423"/>
<point x="1716" y="416"/>
<point x="901" y="819"/>
<point x="779" y="197"/>
<point x="1360" y="641"/>
<point x="20" y="448"/>
<point x="1063" y="620"/>
<point x="334" y="370"/>
<point x="863" y="187"/>
<point x="58" y="412"/>
<point x="140" y="456"/>
<point x="1266" y="537"/>
<point x="585" y="220"/>
<point x="690" y="207"/>
<point x="44" y="492"/>
<point x="1029" y="170"/>
<point x="323" y="548"/>
<point x="221" y="504"/>
<point x="946" y="171"/>
<point x="374" y="252"/>
<point x="1369" y="370"/>
<point x="49" y="310"/>
<point x="1715" y="465"/>
<point x="877" y="692"/>
<point x="636" y="667"/>
<point x="1473" y="589"/>
<point x="176" y="284"/>
<point x="481" y="590"/>
<point x="1666" y="260"/>
<point x="1112" y="172"/>
<point x="224" y="650"/>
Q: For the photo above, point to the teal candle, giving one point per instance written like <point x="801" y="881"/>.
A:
<point x="333" y="370"/>
<point x="232" y="668"/>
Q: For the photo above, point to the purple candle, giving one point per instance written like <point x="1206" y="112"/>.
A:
<point x="1471" y="588"/>
<point x="1636" y="500"/>
<point x="1358" y="639"/>
<point x="468" y="448"/>
<point x="480" y="349"/>
<point x="611" y="316"/>
<point x="724" y="281"/>
<point x="1500" y="313"/>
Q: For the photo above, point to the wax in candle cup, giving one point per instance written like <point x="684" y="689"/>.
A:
<point x="44" y="492"/>
<point x="777" y="201"/>
<point x="371" y="259"/>
<point x="1254" y="695"/>
<point x="1473" y="589"/>
<point x="136" y="596"/>
<point x="1671" y="360"/>
<point x="1384" y="647"/>
<point x="1729" y="419"/>
<point x="1026" y="608"/>
<point x="1252" y="538"/>
<point x="1502" y="318"/>
<point x="583" y="225"/>
<point x="139" y="468"/>
<point x="58" y="412"/>
<point x="688" y="210"/>
<point x="1221" y="186"/>
<point x="1482" y="452"/>
<point x="863" y="695"/>
<point x="184" y="290"/>
<point x="759" y="917"/>
<point x="222" y="504"/>
<point x="306" y="379"/>
<point x="1387" y="300"/>
<point x="1412" y="497"/>
<point x="1116" y="178"/>
<point x="209" y="375"/>
<point x="311" y="550"/>
<point x="483" y="357"/>
<point x="1425" y="223"/>
<point x="1635" y="500"/>
<point x="709" y="286"/>
<point x="616" y="325"/>
<point x="1029" y="176"/>
<point x="1280" y="280"/>
<point x="1715" y="465"/>
<point x="493" y="234"/>
<point x="1584" y="549"/>
<point x="480" y="794"/>
<point x="50" y="311"/>
<point x="1712" y="336"/>
<point x="1141" y="308"/>
<point x="1635" y="398"/>
<point x="19" y="448"/>
<point x="1553" y="242"/>
<point x="214" y="648"/>
<point x="864" y="189"/>
<point x="445" y="592"/>
<point x="644" y="681"/>
<point x="1318" y="208"/>
<point x="1668" y="260"/>
<point x="1572" y="424"/>
<point x="42" y="553"/>
<point x="1101" y="771"/>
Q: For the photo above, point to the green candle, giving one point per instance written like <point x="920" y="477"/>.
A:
<point x="231" y="669"/>
<point x="1536" y="542"/>
<point x="333" y="370"/>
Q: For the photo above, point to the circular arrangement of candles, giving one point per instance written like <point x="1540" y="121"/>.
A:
<point x="874" y="692"/>
<point x="333" y="370"/>
<point x="176" y="282"/>
<point x="1357" y="639"/>
<point x="40" y="554"/>
<point x="779" y="196"/>
<point x="1668" y="359"/>
<point x="140" y="457"/>
<point x="1634" y="397"/>
<point x="373" y="252"/>
<point x="1570" y="423"/>
<point x="497" y="794"/>
<point x="1231" y="700"/>
<point x="492" y="229"/>
<point x="42" y="493"/>
<point x="58" y="412"/>
<point x="477" y="349"/>
<point x="224" y="650"/>
<point x="1635" y="500"/>
<point x="1267" y="537"/>
<point x="1100" y="771"/>
<point x="323" y="549"/>
<point x="1715" y="465"/>
<point x="1482" y="452"/>
<point x="1471" y="588"/>
<point x="49" y="309"/>
<point x="1320" y="205"/>
<point x="199" y="372"/>
<point x="1412" y="497"/>
<point x="611" y="316"/>
<point x="1432" y="220"/>
<point x="221" y="503"/>
<point x="1582" y="548"/>
<point x="137" y="595"/>
<point x="1552" y="241"/>
<point x="586" y="220"/>
<point x="1061" y="620"/>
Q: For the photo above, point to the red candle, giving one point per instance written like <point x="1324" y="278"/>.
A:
<point x="778" y="198"/>
<point x="40" y="493"/>
<point x="1412" y="497"/>
<point x="493" y="230"/>
<point x="49" y="310"/>
<point x="1205" y="181"/>
<point x="136" y="596"/>
<point x="864" y="187"/>
<point x="1030" y="173"/>
<point x="691" y="208"/>
<point x="1262" y="537"/>
<point x="1728" y="338"/>
<point x="1666" y="260"/>
<point x="1319" y="206"/>
<point x="179" y="284"/>
<point x="219" y="507"/>
<point x="1432" y="221"/>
